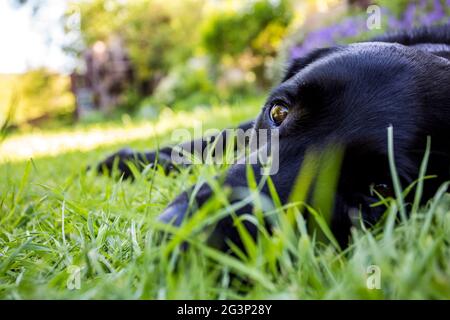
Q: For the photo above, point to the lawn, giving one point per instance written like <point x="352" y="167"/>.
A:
<point x="68" y="234"/>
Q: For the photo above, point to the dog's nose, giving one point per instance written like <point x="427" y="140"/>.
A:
<point x="174" y="214"/>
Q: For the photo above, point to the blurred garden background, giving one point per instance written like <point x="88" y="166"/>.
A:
<point x="102" y="65"/>
<point x="80" y="79"/>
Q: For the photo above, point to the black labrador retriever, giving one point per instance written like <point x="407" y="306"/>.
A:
<point x="347" y="95"/>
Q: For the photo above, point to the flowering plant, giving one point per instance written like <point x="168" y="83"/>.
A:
<point x="423" y="12"/>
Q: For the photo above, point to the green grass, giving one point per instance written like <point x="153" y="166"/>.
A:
<point x="55" y="218"/>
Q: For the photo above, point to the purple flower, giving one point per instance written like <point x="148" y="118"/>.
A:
<point x="424" y="12"/>
<point x="297" y="52"/>
<point x="409" y="15"/>
<point x="348" y="29"/>
<point x="330" y="35"/>
<point x="435" y="15"/>
<point x="394" y="23"/>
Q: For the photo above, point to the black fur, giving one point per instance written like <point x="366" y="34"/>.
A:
<point x="349" y="95"/>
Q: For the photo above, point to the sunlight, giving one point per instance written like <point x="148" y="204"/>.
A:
<point x="45" y="143"/>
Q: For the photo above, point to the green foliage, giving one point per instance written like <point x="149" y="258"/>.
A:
<point x="192" y="84"/>
<point x="155" y="32"/>
<point x="43" y="93"/>
<point x="185" y="85"/>
<point x="37" y="94"/>
<point x="396" y="7"/>
<point x="161" y="38"/>
<point x="257" y="27"/>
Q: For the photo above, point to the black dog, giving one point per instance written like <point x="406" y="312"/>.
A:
<point x="348" y="95"/>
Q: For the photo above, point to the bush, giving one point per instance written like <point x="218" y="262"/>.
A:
<point x="185" y="85"/>
<point x="38" y="95"/>
<point x="192" y="84"/>
<point x="154" y="32"/>
<point x="234" y="31"/>
<point x="248" y="36"/>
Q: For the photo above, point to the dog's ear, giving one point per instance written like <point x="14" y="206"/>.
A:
<point x="431" y="39"/>
<point x="298" y="64"/>
<point x="423" y="35"/>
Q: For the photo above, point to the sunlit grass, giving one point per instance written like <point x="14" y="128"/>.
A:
<point x="55" y="217"/>
<point x="39" y="143"/>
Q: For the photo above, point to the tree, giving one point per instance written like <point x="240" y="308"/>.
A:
<point x="157" y="34"/>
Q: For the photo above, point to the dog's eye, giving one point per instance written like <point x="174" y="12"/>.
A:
<point x="382" y="189"/>
<point x="278" y="113"/>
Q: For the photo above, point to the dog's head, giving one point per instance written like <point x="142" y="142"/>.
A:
<point x="349" y="96"/>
